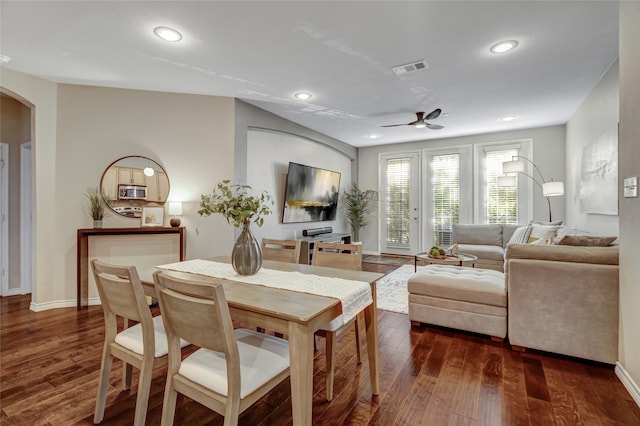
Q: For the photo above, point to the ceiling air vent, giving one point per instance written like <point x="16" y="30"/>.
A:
<point x="412" y="67"/>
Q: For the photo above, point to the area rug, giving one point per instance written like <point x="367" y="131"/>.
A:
<point x="391" y="290"/>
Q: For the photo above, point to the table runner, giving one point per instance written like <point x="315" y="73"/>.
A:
<point x="354" y="295"/>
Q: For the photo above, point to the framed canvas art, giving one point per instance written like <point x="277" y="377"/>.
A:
<point x="599" y="175"/>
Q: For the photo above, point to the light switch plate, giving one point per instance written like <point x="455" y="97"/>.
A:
<point x="631" y="187"/>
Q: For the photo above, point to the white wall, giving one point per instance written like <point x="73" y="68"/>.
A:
<point x="629" y="154"/>
<point x="548" y="154"/>
<point x="268" y="156"/>
<point x="598" y="113"/>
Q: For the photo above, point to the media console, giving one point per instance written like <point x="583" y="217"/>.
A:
<point x="306" y="248"/>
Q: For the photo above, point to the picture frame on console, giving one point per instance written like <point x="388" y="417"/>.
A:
<point x="152" y="216"/>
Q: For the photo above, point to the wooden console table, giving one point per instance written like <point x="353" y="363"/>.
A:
<point x="83" y="251"/>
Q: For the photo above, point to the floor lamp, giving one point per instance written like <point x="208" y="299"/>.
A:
<point x="517" y="165"/>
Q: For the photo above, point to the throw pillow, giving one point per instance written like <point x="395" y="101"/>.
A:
<point x="520" y="235"/>
<point x="585" y="240"/>
<point x="533" y="240"/>
<point x="548" y="232"/>
<point x="543" y="222"/>
<point x="565" y="230"/>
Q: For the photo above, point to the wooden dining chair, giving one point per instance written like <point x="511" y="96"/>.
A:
<point x="343" y="256"/>
<point x="281" y="250"/>
<point x="232" y="369"/>
<point x="143" y="345"/>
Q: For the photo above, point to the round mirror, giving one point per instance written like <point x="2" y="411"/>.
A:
<point x="131" y="183"/>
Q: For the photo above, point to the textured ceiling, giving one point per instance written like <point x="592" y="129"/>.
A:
<point x="341" y="51"/>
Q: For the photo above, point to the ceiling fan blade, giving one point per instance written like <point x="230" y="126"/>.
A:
<point x="434" y="126"/>
<point x="419" y="118"/>
<point x="433" y="114"/>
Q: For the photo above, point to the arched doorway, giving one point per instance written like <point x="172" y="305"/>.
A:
<point x="16" y="195"/>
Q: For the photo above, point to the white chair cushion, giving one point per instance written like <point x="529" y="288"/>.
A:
<point x="262" y="357"/>
<point x="131" y="338"/>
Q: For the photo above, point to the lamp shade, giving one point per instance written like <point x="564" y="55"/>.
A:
<point x="513" y="166"/>
<point x="175" y="208"/>
<point x="552" y="189"/>
<point x="507" y="181"/>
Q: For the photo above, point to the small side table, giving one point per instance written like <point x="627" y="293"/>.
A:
<point x="460" y="260"/>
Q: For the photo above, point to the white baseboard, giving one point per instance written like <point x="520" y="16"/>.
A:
<point x="628" y="383"/>
<point x="37" y="307"/>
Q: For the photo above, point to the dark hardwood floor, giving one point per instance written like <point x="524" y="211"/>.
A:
<point x="429" y="376"/>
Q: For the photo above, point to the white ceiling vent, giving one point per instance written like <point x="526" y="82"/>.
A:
<point x="412" y="67"/>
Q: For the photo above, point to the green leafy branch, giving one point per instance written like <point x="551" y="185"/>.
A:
<point x="235" y="204"/>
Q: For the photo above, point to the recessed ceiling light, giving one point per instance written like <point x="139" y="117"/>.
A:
<point x="4" y="59"/>
<point x="167" y="34"/>
<point x="372" y="136"/>
<point x="503" y="46"/>
<point x="508" y="118"/>
<point x="303" y="96"/>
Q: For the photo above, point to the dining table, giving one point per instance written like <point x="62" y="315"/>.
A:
<point x="296" y="314"/>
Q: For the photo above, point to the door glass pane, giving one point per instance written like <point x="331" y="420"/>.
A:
<point x="502" y="202"/>
<point x="398" y="191"/>
<point x="445" y="196"/>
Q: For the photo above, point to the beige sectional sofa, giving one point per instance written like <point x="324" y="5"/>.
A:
<point x="559" y="298"/>
<point x="487" y="242"/>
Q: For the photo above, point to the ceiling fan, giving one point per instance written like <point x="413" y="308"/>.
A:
<point x="422" y="120"/>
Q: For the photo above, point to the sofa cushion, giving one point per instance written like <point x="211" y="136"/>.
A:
<point x="485" y="252"/>
<point x="543" y="222"/>
<point x="460" y="283"/>
<point x="477" y="234"/>
<point x="520" y="235"/>
<point x="585" y="240"/>
<point x="548" y="232"/>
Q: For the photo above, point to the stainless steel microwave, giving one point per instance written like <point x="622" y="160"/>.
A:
<point x="132" y="192"/>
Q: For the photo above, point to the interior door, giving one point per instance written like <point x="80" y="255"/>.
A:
<point x="399" y="203"/>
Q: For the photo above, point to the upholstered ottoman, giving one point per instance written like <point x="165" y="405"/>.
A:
<point x="458" y="297"/>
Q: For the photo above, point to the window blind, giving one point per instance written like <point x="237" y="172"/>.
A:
<point x="398" y="186"/>
<point x="445" y="193"/>
<point x="501" y="202"/>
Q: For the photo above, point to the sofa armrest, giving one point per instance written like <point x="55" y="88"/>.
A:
<point x="570" y="308"/>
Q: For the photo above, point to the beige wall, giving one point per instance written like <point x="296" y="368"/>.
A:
<point x="15" y="122"/>
<point x="42" y="95"/>
<point x="629" y="158"/>
<point x="599" y="113"/>
<point x="80" y="130"/>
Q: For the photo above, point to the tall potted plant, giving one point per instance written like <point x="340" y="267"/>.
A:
<point x="240" y="209"/>
<point x="97" y="206"/>
<point x="359" y="204"/>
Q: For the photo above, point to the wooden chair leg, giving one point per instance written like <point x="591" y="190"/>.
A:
<point x="169" y="404"/>
<point x="330" y="341"/>
<point x="127" y="373"/>
<point x="358" y="344"/>
<point x="231" y="412"/>
<point x="144" y="386"/>
<point x="105" y="372"/>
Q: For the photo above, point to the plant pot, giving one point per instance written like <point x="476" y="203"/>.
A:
<point x="246" y="256"/>
<point x="97" y="224"/>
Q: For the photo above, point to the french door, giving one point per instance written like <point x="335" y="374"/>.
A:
<point x="399" y="203"/>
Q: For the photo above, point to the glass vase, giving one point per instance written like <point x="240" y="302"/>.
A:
<point x="246" y="256"/>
